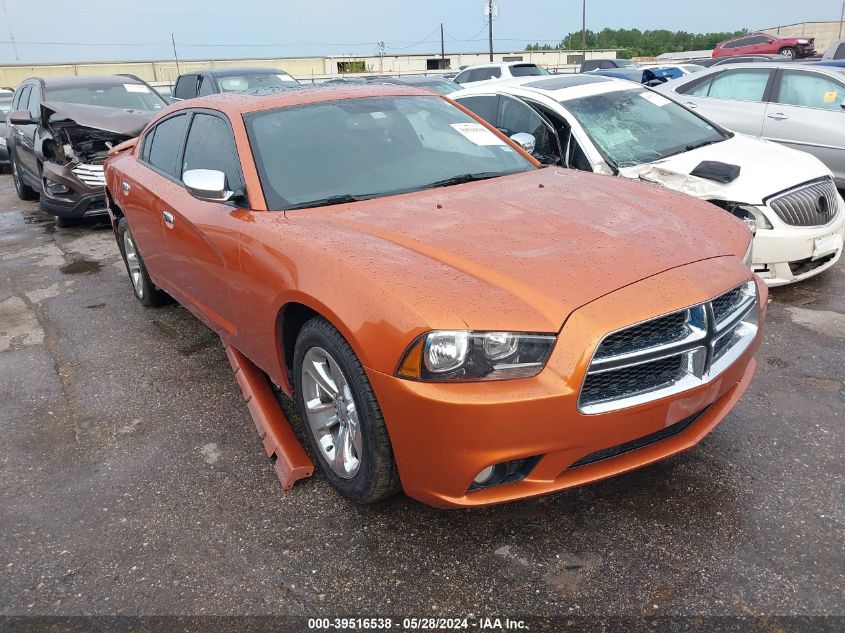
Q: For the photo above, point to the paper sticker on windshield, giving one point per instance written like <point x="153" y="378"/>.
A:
<point x="136" y="88"/>
<point x="830" y="97"/>
<point x="478" y="134"/>
<point x="656" y="99"/>
<point x="378" y="115"/>
<point x="285" y="77"/>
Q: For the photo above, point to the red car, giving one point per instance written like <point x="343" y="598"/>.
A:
<point x="763" y="43"/>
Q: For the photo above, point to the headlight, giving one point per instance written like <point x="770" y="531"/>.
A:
<point x="444" y="355"/>
<point x="2" y="141"/>
<point x="749" y="254"/>
<point x="751" y="215"/>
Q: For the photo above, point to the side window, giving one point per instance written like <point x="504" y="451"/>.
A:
<point x="462" y="76"/>
<point x="840" y="52"/>
<point x="34" y="106"/>
<point x="483" y="74"/>
<point x="206" y="86"/>
<point x="743" y="84"/>
<point x="757" y="39"/>
<point x="485" y="106"/>
<point x="737" y="43"/>
<point x="810" y="90"/>
<point x="517" y="116"/>
<point x="166" y="143"/>
<point x="211" y="145"/>
<point x="186" y="87"/>
<point x="21" y="101"/>
<point x="148" y="143"/>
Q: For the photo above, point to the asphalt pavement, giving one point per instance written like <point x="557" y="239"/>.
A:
<point x="132" y="480"/>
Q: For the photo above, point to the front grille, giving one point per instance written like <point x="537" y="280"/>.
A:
<point x="812" y="204"/>
<point x="658" y="331"/>
<point x="91" y="175"/>
<point x="641" y="442"/>
<point x="670" y="353"/>
<point x="633" y="380"/>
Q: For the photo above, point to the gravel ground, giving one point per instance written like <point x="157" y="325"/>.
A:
<point x="132" y="480"/>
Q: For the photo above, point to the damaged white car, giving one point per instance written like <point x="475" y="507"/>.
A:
<point x="788" y="198"/>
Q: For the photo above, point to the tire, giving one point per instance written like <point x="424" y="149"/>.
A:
<point x="143" y="287"/>
<point x="24" y="191"/>
<point x="788" y="51"/>
<point x="351" y="412"/>
<point x="64" y="223"/>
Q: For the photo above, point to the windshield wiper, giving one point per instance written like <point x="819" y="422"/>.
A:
<point x="459" y="180"/>
<point x="326" y="202"/>
<point x="693" y="146"/>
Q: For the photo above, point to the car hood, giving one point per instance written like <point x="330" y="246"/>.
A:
<point x="123" y="122"/>
<point x="536" y="245"/>
<point x="765" y="168"/>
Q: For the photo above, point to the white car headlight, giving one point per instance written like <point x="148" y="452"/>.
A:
<point x="2" y="141"/>
<point x="460" y="355"/>
<point x="749" y="253"/>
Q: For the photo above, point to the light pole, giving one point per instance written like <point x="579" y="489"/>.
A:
<point x="841" y="19"/>
<point x="584" y="30"/>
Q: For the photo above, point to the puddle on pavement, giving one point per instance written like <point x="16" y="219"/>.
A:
<point x="81" y="267"/>
<point x="45" y="221"/>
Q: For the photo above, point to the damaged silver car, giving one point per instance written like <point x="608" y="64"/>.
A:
<point x="60" y="132"/>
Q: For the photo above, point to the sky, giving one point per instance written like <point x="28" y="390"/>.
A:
<point x="132" y="30"/>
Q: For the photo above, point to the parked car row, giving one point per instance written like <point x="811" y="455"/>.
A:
<point x="406" y="268"/>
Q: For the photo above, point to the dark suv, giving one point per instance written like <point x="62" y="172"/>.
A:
<point x="60" y="132"/>
<point x="209" y="82"/>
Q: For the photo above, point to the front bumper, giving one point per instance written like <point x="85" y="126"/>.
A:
<point x="81" y="200"/>
<point x="444" y="434"/>
<point x="787" y="254"/>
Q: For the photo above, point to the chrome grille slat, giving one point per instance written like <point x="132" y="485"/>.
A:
<point x="801" y="206"/>
<point x="91" y="175"/>
<point x="635" y="369"/>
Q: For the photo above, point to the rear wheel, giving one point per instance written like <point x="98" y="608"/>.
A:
<point x="343" y="421"/>
<point x="24" y="191"/>
<point x="789" y="52"/>
<point x="143" y="287"/>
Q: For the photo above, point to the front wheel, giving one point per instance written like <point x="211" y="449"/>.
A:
<point x="24" y="191"/>
<point x="143" y="287"/>
<point x="788" y="52"/>
<point x="343" y="421"/>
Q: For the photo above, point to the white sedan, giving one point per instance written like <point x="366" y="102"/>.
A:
<point x="788" y="198"/>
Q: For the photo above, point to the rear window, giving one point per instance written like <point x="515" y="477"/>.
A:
<point x="254" y="81"/>
<point x="527" y="70"/>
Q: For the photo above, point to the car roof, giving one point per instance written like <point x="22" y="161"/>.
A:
<point x="236" y="103"/>
<point x="242" y="70"/>
<point x="499" y="65"/>
<point x="87" y="80"/>
<point x="559" y="88"/>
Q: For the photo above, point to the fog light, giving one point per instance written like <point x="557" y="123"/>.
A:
<point x="484" y="476"/>
<point x="54" y="188"/>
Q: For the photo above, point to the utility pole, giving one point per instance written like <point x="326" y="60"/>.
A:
<point x="841" y="19"/>
<point x="490" y="26"/>
<point x="175" y="56"/>
<point x="584" y="30"/>
<point x="380" y="56"/>
<point x="442" y="46"/>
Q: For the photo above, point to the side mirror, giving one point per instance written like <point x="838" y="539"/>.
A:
<point x="21" y="117"/>
<point x="525" y="140"/>
<point x="207" y="184"/>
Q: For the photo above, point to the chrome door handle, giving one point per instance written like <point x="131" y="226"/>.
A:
<point x="125" y="186"/>
<point x="777" y="116"/>
<point x="168" y="218"/>
<point x="692" y="105"/>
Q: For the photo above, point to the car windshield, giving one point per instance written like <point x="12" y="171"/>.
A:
<point x="128" y="96"/>
<point x="638" y="126"/>
<point x="527" y="70"/>
<point x="255" y="81"/>
<point x="352" y="149"/>
<point x="627" y="63"/>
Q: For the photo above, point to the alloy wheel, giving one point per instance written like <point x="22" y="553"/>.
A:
<point x="133" y="264"/>
<point x="331" y="412"/>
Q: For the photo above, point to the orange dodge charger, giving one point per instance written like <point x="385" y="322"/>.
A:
<point x="451" y="319"/>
